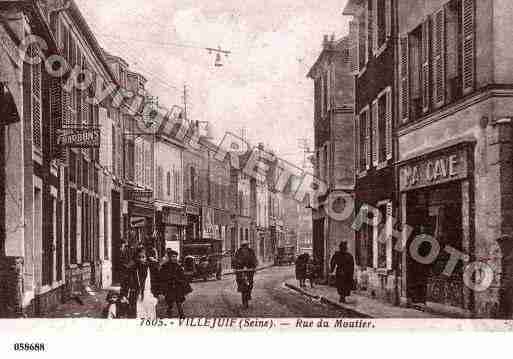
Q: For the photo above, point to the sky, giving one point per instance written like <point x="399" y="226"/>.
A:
<point x="262" y="86"/>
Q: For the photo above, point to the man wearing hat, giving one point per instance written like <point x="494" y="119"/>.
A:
<point x="342" y="263"/>
<point x="173" y="283"/>
<point x="245" y="258"/>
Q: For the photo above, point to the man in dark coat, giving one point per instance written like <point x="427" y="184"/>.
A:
<point x="245" y="258"/>
<point x="343" y="262"/>
<point x="173" y="283"/>
<point x="301" y="262"/>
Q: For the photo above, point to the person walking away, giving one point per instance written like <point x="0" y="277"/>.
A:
<point x="136" y="288"/>
<point x="342" y="263"/>
<point x="301" y="262"/>
<point x="173" y="283"/>
<point x="245" y="258"/>
<point x="311" y="271"/>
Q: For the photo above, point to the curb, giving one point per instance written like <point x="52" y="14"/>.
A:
<point x="257" y="270"/>
<point x="326" y="300"/>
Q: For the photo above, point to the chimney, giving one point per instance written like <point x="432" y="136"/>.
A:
<point x="325" y="42"/>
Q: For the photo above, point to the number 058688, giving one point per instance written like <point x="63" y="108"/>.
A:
<point x="29" y="347"/>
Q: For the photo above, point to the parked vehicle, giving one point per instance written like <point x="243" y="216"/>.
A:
<point x="202" y="259"/>
<point x="285" y="256"/>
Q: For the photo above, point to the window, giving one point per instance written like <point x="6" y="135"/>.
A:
<point x="106" y="230"/>
<point x="362" y="41"/>
<point x="168" y="184"/>
<point x="364" y="145"/>
<point x="36" y="100"/>
<point x="438" y="60"/>
<point x="382" y="128"/>
<point x="192" y="183"/>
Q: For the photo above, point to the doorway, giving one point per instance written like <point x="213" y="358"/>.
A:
<point x="437" y="212"/>
<point x="116" y="237"/>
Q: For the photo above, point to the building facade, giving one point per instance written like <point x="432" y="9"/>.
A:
<point x="334" y="150"/>
<point x="454" y="139"/>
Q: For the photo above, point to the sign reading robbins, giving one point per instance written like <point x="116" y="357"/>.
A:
<point x="79" y="137"/>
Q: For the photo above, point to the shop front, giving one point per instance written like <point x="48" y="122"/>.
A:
<point x="436" y="193"/>
<point x="171" y="226"/>
<point x="192" y="231"/>
<point x="140" y="217"/>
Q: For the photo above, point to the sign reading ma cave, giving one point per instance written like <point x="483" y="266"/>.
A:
<point x="450" y="166"/>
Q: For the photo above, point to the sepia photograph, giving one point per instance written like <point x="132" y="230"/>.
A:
<point x="272" y="165"/>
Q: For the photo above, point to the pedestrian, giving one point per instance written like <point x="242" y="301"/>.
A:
<point x="113" y="308"/>
<point x="311" y="271"/>
<point x="342" y="263"/>
<point x="154" y="266"/>
<point x="173" y="283"/>
<point x="245" y="263"/>
<point x="136" y="288"/>
<point x="301" y="262"/>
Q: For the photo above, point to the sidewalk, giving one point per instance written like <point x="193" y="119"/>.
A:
<point x="360" y="304"/>
<point x="88" y="305"/>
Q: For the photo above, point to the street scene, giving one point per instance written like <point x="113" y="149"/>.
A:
<point x="194" y="160"/>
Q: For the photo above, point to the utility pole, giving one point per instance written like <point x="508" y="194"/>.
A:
<point x="185" y="101"/>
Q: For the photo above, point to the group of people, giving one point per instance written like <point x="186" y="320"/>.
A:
<point x="341" y="267"/>
<point x="146" y="280"/>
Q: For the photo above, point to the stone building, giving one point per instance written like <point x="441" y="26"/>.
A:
<point x="454" y="143"/>
<point x="31" y="168"/>
<point x="334" y="148"/>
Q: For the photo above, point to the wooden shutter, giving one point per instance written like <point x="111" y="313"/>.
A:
<point x="36" y="90"/>
<point x="389" y="228"/>
<point x="468" y="53"/>
<point x="374" y="25"/>
<point x="375" y="132"/>
<point x="369" y="29"/>
<point x="388" y="18"/>
<point x="438" y="31"/>
<point x="56" y="114"/>
<point x="368" y="146"/>
<point x="425" y="75"/>
<point x="328" y="86"/>
<point x="389" y="125"/>
<point x="357" y="142"/>
<point x="404" y="83"/>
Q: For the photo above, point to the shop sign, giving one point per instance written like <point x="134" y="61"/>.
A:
<point x="192" y="210"/>
<point x="83" y="137"/>
<point x="207" y="219"/>
<point x="440" y="169"/>
<point x="173" y="218"/>
<point x="139" y="195"/>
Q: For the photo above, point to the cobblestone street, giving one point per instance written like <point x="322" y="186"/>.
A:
<point x="221" y="299"/>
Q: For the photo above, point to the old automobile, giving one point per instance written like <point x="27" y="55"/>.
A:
<point x="202" y="259"/>
<point x="285" y="255"/>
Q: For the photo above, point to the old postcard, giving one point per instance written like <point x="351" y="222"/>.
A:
<point x="269" y="165"/>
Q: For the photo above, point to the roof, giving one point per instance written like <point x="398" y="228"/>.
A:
<point x="332" y="46"/>
<point x="352" y="7"/>
<point x="86" y="31"/>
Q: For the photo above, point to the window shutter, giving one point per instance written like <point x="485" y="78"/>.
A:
<point x="368" y="147"/>
<point x="425" y="66"/>
<point x="56" y="114"/>
<point x="438" y="26"/>
<point x="374" y="25"/>
<point x="36" y="100"/>
<point x="369" y="29"/>
<point x="357" y="142"/>
<point x="388" y="18"/>
<point x="468" y="56"/>
<point x="404" y="86"/>
<point x="389" y="125"/>
<point x="389" y="227"/>
<point x="328" y="86"/>
<point x="375" y="133"/>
